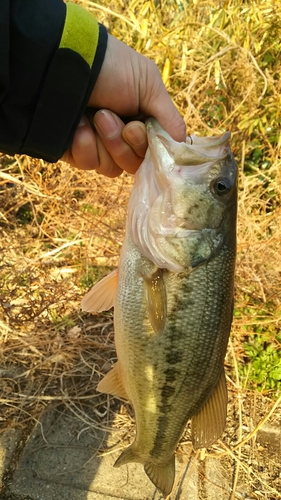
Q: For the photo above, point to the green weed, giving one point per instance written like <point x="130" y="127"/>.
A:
<point x="24" y="214"/>
<point x="60" y="321"/>
<point x="262" y="368"/>
<point x="92" y="274"/>
<point x="88" y="208"/>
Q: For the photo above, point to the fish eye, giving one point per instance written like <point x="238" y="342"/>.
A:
<point x="222" y="186"/>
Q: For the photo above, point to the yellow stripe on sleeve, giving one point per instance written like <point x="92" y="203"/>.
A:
<point x="80" y="33"/>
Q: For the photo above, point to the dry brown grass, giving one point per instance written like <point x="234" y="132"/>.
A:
<point x="58" y="235"/>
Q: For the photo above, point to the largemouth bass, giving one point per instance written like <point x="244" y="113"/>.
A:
<point x="173" y="298"/>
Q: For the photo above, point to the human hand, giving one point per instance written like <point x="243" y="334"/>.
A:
<point x="128" y="84"/>
<point x="122" y="147"/>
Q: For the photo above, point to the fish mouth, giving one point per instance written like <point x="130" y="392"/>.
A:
<point x="198" y="160"/>
<point x="195" y="151"/>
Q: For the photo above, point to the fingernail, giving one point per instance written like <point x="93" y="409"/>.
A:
<point x="82" y="122"/>
<point x="106" y="124"/>
<point x="135" y="135"/>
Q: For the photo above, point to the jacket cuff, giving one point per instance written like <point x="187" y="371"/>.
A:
<point x="68" y="85"/>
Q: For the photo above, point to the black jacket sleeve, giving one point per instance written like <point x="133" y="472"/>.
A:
<point x="50" y="56"/>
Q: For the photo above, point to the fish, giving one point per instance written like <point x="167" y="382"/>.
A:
<point x="173" y="297"/>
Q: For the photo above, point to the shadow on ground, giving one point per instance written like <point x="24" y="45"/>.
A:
<point x="62" y="459"/>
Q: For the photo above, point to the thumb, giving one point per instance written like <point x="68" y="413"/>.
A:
<point x="155" y="101"/>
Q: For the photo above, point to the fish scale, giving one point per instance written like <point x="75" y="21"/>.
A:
<point x="173" y="298"/>
<point x="195" y="341"/>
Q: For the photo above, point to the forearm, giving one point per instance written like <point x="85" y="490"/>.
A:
<point x="51" y="55"/>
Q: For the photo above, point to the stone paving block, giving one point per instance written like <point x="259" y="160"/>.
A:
<point x="270" y="437"/>
<point x="61" y="460"/>
<point x="218" y="481"/>
<point x="8" y="443"/>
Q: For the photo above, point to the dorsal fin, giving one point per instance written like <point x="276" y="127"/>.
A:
<point x="208" y="425"/>
<point x="102" y="296"/>
<point x="112" y="383"/>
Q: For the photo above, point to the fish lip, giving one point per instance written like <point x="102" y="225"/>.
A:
<point x="191" y="161"/>
<point x="195" y="151"/>
<point x="154" y="128"/>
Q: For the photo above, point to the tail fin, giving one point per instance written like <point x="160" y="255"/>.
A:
<point x="161" y="475"/>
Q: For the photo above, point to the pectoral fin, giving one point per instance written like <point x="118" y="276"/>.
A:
<point x="112" y="383"/>
<point x="208" y="425"/>
<point x="102" y="296"/>
<point x="156" y="300"/>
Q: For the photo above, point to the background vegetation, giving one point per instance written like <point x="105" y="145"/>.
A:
<point x="61" y="230"/>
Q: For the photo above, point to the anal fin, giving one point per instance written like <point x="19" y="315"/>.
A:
<point x="102" y="296"/>
<point x="112" y="383"/>
<point x="208" y="425"/>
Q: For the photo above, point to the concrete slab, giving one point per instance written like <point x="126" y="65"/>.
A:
<point x="8" y="442"/>
<point x="269" y="436"/>
<point x="218" y="481"/>
<point x="61" y="460"/>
